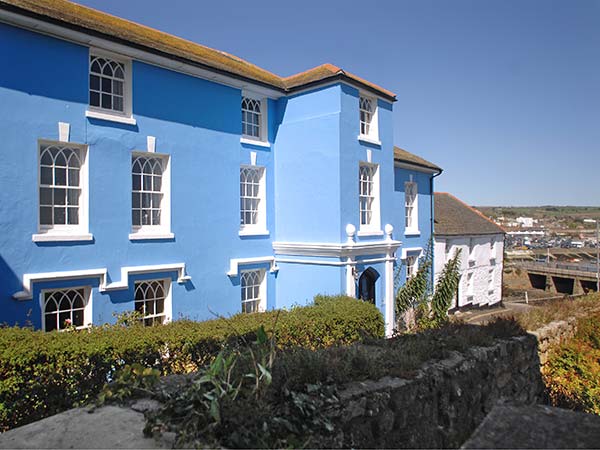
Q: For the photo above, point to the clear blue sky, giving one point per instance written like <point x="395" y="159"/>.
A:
<point x="503" y="94"/>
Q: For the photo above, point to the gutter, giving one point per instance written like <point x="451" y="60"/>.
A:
<point x="432" y="219"/>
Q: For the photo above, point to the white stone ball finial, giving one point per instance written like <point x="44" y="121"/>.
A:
<point x="389" y="229"/>
<point x="351" y="232"/>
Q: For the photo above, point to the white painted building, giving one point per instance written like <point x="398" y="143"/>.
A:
<point x="481" y="241"/>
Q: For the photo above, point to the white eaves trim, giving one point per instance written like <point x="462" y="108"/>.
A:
<point x="415" y="167"/>
<point x="30" y="278"/>
<point x="40" y="26"/>
<point x="235" y="263"/>
<point x="335" y="250"/>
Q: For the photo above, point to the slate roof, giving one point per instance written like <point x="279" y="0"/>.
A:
<point x="402" y="155"/>
<point x="455" y="218"/>
<point x="88" y="20"/>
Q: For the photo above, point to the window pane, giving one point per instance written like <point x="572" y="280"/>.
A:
<point x="46" y="175"/>
<point x="95" y="82"/>
<point x="45" y="196"/>
<point x="73" y="216"/>
<point x="106" y="101"/>
<point x="60" y="216"/>
<point x="136" y="218"/>
<point x="60" y="196"/>
<point x="73" y="177"/>
<point x="73" y="197"/>
<point x="51" y="322"/>
<point x="117" y="88"/>
<point x="118" y="103"/>
<point x="106" y="85"/>
<point x="46" y="215"/>
<point x="137" y="182"/>
<point x="94" y="98"/>
<point x="60" y="176"/>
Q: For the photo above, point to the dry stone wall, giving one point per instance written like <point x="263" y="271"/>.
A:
<point x="443" y="404"/>
<point x="553" y="335"/>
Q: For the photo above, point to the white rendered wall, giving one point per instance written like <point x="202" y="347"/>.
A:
<point x="479" y="261"/>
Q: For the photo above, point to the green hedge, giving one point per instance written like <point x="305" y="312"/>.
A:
<point x="44" y="373"/>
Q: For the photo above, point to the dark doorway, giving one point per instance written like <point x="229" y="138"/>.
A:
<point x="366" y="285"/>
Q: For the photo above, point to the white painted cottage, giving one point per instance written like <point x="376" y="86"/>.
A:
<point x="459" y="226"/>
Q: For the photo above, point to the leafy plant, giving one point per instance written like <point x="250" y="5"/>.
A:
<point x="419" y="305"/>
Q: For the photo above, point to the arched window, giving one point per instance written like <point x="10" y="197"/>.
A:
<point x="64" y="308"/>
<point x="252" y="206"/>
<point x="146" y="190"/>
<point x="366" y="115"/>
<point x="253" y="290"/>
<point x="107" y="84"/>
<point x="60" y="185"/>
<point x="150" y="297"/>
<point x="366" y="285"/>
<point x="251" y="118"/>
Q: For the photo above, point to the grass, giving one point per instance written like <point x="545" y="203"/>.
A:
<point x="559" y="309"/>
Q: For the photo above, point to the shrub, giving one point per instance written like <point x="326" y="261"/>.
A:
<point x="44" y="373"/>
<point x="572" y="374"/>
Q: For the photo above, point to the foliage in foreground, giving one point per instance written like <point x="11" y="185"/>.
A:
<point x="45" y="373"/>
<point x="255" y="396"/>
<point x="572" y="374"/>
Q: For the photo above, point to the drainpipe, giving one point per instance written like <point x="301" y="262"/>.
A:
<point x="432" y="228"/>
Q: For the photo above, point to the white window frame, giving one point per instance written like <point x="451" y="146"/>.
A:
<point x="97" y="112"/>
<point x="262" y="274"/>
<point x="79" y="232"/>
<point x="167" y="303"/>
<point x="412" y="269"/>
<point x="162" y="231"/>
<point x="472" y="246"/>
<point x="263" y="136"/>
<point x="374" y="226"/>
<point x="372" y="134"/>
<point x="413" y="226"/>
<point x="260" y="227"/>
<point x="470" y="286"/>
<point x="87" y="311"/>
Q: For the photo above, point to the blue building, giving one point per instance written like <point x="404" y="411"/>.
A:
<point x="145" y="172"/>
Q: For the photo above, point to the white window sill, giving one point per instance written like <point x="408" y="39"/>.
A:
<point x="409" y="232"/>
<point x="141" y="236"/>
<point x="56" y="237"/>
<point x="254" y="232"/>
<point x="110" y="117"/>
<point x="255" y="142"/>
<point x="362" y="233"/>
<point x="369" y="140"/>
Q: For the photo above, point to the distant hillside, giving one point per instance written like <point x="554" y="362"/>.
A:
<point x="540" y="212"/>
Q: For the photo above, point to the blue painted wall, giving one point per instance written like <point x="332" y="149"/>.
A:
<point x="311" y="181"/>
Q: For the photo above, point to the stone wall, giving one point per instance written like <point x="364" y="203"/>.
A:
<point x="554" y="334"/>
<point x="444" y="403"/>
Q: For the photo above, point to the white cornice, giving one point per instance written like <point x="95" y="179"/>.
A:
<point x="78" y="37"/>
<point x="30" y="278"/>
<point x="336" y="250"/>
<point x="235" y="263"/>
